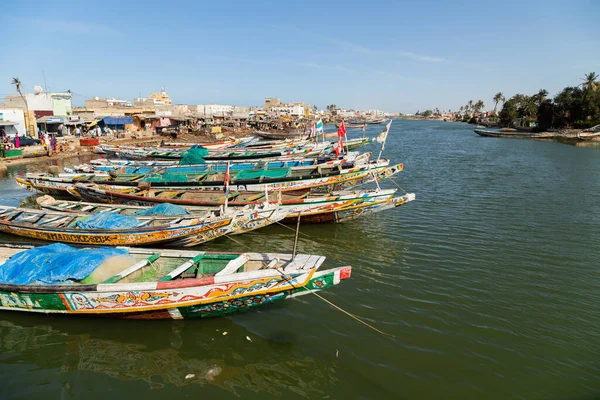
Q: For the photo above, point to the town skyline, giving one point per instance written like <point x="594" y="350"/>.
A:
<point x="411" y="57"/>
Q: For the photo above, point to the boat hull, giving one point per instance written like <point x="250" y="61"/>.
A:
<point x="169" y="300"/>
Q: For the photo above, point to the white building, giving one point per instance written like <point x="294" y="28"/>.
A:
<point x="375" y="113"/>
<point x="57" y="103"/>
<point x="12" y="121"/>
<point x="214" y="109"/>
<point x="112" y="102"/>
<point x="294" y="110"/>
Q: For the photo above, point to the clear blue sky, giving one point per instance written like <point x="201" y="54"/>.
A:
<point x="391" y="55"/>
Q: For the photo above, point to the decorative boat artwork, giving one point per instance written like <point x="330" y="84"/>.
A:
<point x="115" y="229"/>
<point x="161" y="284"/>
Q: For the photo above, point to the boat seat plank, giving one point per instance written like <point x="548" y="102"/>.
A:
<point x="182" y="268"/>
<point x="233" y="265"/>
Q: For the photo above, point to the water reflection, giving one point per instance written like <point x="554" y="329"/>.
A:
<point x="175" y="354"/>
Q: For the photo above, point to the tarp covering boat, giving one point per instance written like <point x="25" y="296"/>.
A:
<point x="109" y="220"/>
<point x="54" y="264"/>
<point x="162" y="209"/>
<point x="195" y="155"/>
<point x="263" y="173"/>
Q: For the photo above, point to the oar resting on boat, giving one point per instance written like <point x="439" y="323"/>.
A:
<point x="153" y="284"/>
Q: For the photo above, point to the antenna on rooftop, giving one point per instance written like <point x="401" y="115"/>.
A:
<point x="45" y="86"/>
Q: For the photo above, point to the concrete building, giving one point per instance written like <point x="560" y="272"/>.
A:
<point x="375" y="113"/>
<point x="293" y="110"/>
<point x="271" y="102"/>
<point x="40" y="105"/>
<point x="43" y="104"/>
<point x="214" y="109"/>
<point x="12" y="122"/>
<point x="98" y="102"/>
<point x="161" y="97"/>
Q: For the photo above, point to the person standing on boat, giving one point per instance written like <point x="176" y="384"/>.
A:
<point x="17" y="141"/>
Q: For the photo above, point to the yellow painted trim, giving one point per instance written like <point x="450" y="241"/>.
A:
<point x="194" y="302"/>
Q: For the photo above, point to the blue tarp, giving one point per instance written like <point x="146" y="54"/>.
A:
<point x="108" y="220"/>
<point x="162" y="209"/>
<point x="119" y="120"/>
<point x="54" y="264"/>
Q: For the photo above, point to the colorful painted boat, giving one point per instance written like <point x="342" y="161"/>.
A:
<point x="141" y="167"/>
<point x="243" y="154"/>
<point x="313" y="208"/>
<point x="178" y="231"/>
<point x="170" y="284"/>
<point x="259" y="180"/>
<point x="281" y="135"/>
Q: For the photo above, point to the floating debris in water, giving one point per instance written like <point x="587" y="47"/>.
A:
<point x="213" y="372"/>
<point x="224" y="333"/>
<point x="337" y="352"/>
<point x="189" y="376"/>
<point x="248" y="338"/>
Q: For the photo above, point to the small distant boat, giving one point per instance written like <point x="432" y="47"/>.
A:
<point x="281" y="135"/>
<point x="377" y="121"/>
<point x="168" y="284"/>
<point x="589" y="134"/>
<point x="513" y="135"/>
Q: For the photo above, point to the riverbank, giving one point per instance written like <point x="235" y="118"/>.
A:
<point x="75" y="151"/>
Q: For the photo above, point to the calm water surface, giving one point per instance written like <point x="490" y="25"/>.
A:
<point x="489" y="281"/>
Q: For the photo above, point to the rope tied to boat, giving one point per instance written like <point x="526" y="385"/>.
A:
<point x="323" y="298"/>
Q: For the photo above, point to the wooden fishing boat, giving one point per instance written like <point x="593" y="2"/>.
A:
<point x="143" y="167"/>
<point x="224" y="144"/>
<point x="173" y="284"/>
<point x="179" y="231"/>
<point x="338" y="211"/>
<point x="289" y="161"/>
<point x="377" y="121"/>
<point x="281" y="135"/>
<point x="350" y="125"/>
<point x="230" y="154"/>
<point x="247" y="219"/>
<point x="259" y="180"/>
<point x="313" y="208"/>
<point x="514" y="135"/>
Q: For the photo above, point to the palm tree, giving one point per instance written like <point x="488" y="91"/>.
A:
<point x="460" y="109"/>
<point x="479" y="106"/>
<point x="589" y="82"/>
<point x="469" y="107"/>
<point x="541" y="96"/>
<point x="498" y="97"/>
<point x="18" y="84"/>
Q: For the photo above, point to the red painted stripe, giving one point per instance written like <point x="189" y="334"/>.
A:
<point x="345" y="273"/>
<point x="181" y="283"/>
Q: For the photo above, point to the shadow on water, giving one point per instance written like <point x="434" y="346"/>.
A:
<point x="214" y="353"/>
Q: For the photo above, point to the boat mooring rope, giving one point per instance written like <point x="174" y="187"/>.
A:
<point x="323" y="298"/>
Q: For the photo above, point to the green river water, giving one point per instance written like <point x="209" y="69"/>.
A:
<point x="489" y="282"/>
